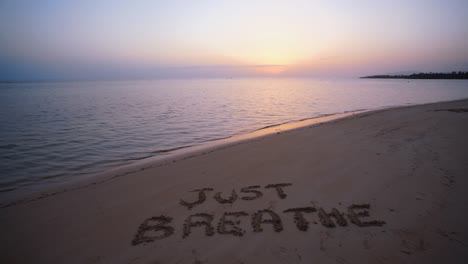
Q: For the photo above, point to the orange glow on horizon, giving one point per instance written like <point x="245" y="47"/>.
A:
<point x="270" y="69"/>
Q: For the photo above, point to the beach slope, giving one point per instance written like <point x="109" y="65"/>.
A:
<point x="387" y="186"/>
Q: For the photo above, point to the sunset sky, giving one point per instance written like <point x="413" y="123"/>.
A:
<point x="50" y="39"/>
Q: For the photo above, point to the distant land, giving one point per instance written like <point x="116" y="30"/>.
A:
<point x="431" y="75"/>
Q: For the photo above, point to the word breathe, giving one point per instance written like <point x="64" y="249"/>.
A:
<point x="159" y="227"/>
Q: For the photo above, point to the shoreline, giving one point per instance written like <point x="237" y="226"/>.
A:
<point x="50" y="152"/>
<point x="185" y="152"/>
<point x="382" y="186"/>
<point x="176" y="154"/>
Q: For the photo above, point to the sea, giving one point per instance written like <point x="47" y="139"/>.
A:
<point x="54" y="132"/>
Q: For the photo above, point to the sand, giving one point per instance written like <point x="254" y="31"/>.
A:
<point x="386" y="186"/>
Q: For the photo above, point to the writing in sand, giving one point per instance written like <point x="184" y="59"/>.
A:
<point x="229" y="223"/>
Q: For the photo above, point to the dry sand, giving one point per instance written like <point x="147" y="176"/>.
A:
<point x="386" y="186"/>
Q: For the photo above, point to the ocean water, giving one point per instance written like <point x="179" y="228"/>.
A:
<point x="54" y="132"/>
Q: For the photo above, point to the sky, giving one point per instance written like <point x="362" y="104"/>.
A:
<point x="116" y="39"/>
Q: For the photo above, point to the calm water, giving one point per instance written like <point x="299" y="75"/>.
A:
<point x="51" y="132"/>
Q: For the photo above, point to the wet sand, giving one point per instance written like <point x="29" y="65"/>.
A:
<point x="385" y="186"/>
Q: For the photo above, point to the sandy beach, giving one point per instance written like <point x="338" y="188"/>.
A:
<point x="387" y="186"/>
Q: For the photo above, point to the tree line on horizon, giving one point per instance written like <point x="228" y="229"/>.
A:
<point x="424" y="75"/>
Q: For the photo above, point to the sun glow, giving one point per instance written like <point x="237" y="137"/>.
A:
<point x="270" y="69"/>
<point x="224" y="38"/>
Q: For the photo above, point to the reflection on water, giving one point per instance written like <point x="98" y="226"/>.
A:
<point x="53" y="131"/>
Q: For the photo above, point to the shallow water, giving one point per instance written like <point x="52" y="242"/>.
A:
<point x="53" y="132"/>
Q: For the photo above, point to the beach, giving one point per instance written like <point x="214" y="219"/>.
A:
<point x="385" y="186"/>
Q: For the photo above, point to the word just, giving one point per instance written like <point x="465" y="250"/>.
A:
<point x="251" y="193"/>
